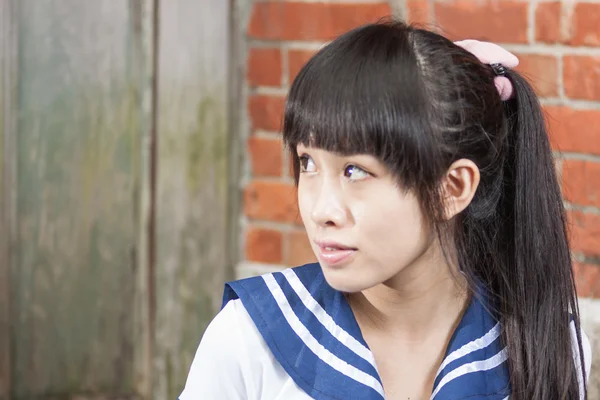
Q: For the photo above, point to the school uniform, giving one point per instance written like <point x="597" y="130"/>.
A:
<point x="290" y="336"/>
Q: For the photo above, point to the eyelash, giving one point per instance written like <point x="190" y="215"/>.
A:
<point x="304" y="158"/>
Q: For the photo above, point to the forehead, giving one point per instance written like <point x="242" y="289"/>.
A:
<point x="322" y="152"/>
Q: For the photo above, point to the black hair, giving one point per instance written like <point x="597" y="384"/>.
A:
<point x="418" y="102"/>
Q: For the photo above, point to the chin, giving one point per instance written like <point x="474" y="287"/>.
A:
<point x="344" y="280"/>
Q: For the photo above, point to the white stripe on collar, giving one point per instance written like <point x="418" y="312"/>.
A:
<point x="471" y="367"/>
<point x="470" y="347"/>
<point x="317" y="348"/>
<point x="325" y="319"/>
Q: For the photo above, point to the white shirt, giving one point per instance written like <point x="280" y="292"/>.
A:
<point x="233" y="362"/>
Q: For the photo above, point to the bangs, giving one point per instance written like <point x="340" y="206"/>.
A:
<point x="361" y="95"/>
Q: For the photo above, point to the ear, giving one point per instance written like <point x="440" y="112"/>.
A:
<point x="459" y="186"/>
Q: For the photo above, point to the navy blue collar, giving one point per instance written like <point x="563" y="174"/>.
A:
<point x="311" y="330"/>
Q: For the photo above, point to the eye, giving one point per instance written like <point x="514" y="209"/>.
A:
<point x="307" y="164"/>
<point x="354" y="173"/>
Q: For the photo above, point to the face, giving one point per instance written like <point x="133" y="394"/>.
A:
<point x="362" y="227"/>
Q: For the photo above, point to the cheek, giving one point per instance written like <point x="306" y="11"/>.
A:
<point x="305" y="203"/>
<point x="394" y="230"/>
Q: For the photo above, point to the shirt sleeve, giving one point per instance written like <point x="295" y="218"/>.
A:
<point x="217" y="371"/>
<point x="587" y="355"/>
<point x="587" y="358"/>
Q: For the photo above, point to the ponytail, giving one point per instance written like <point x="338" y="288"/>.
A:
<point x="536" y="291"/>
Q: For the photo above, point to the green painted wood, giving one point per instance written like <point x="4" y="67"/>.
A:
<point x="7" y="161"/>
<point x="144" y="22"/>
<point x="78" y="141"/>
<point x="192" y="185"/>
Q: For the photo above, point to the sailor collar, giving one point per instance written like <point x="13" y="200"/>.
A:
<point x="311" y="331"/>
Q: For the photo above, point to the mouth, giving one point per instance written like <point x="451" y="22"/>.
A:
<point x="334" y="253"/>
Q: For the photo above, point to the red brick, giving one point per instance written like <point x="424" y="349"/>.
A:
<point x="271" y="201"/>
<point x="266" y="156"/>
<point x="298" y="220"/>
<point x="498" y="21"/>
<point x="311" y="21"/>
<point x="584" y="25"/>
<point x="299" y="250"/>
<point x="587" y="280"/>
<point x="573" y="130"/>
<point x="542" y="72"/>
<point x="264" y="67"/>
<point x="581" y="76"/>
<point x="264" y="245"/>
<point x="585" y="232"/>
<point x="558" y="167"/>
<point x="290" y="168"/>
<point x="418" y="12"/>
<point x="547" y="22"/>
<point x="296" y="60"/>
<point x="266" y="112"/>
<point x="581" y="182"/>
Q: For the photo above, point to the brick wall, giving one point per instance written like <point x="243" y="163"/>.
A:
<point x="558" y="44"/>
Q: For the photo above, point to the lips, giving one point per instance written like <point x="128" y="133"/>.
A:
<point x="334" y="253"/>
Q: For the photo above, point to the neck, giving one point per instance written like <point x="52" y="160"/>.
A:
<point x="428" y="296"/>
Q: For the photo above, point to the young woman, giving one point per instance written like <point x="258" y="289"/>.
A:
<point x="427" y="188"/>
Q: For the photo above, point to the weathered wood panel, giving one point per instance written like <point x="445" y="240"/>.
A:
<point x="7" y="163"/>
<point x="73" y="282"/>
<point x="144" y="58"/>
<point x="192" y="181"/>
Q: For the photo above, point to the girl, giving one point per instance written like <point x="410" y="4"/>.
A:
<point x="427" y="188"/>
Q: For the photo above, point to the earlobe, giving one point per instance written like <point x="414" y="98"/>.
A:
<point x="459" y="186"/>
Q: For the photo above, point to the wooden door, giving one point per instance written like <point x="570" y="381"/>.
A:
<point x="114" y="193"/>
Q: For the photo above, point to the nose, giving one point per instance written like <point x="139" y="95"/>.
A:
<point x="328" y="208"/>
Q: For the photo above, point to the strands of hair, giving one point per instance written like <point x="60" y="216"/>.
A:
<point x="418" y="102"/>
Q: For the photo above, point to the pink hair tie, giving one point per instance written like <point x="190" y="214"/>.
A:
<point x="497" y="57"/>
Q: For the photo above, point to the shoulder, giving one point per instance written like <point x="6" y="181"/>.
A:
<point x="223" y="359"/>
<point x="233" y="362"/>
<point x="586" y="350"/>
<point x="225" y="323"/>
<point x="225" y="330"/>
<point x="233" y="334"/>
